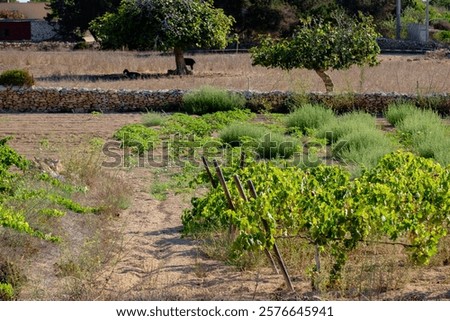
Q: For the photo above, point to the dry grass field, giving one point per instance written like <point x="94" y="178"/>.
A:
<point x="402" y="74"/>
<point x="139" y="254"/>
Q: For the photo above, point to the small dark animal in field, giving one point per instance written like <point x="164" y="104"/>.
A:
<point x="189" y="62"/>
<point x="131" y="74"/>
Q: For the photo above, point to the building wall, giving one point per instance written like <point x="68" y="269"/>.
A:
<point x="15" y="30"/>
<point x="41" y="30"/>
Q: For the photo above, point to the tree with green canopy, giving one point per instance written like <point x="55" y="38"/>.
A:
<point x="320" y="45"/>
<point x="165" y="25"/>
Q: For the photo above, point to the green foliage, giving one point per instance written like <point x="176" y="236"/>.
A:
<point x="239" y="133"/>
<point x="163" y="24"/>
<point x="320" y="45"/>
<point x="309" y="117"/>
<point x="442" y="36"/>
<point x="426" y="134"/>
<point x="340" y="126"/>
<point x="137" y="136"/>
<point x="152" y="118"/>
<point x="209" y="99"/>
<point x="363" y="146"/>
<point x="220" y="119"/>
<point x="264" y="142"/>
<point x="6" y="292"/>
<point x="396" y="113"/>
<point x="183" y="125"/>
<point x="404" y="198"/>
<point x="16" y="77"/>
<point x="14" y="188"/>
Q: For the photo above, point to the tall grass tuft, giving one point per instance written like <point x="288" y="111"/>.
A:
<point x="238" y="133"/>
<point x="309" y="117"/>
<point x="209" y="99"/>
<point x="265" y="143"/>
<point x="152" y="118"/>
<point x="344" y="125"/>
<point x="397" y="112"/>
<point x="364" y="147"/>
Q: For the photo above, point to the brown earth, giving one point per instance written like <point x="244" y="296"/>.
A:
<point x="156" y="263"/>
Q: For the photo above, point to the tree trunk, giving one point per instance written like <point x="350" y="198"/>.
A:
<point x="179" y="60"/>
<point x="329" y="86"/>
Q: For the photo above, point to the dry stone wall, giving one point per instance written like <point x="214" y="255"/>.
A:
<point x="76" y="100"/>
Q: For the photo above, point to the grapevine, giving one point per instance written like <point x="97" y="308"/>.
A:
<point x="404" y="197"/>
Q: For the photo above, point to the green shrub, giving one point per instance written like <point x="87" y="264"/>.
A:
<point x="442" y="36"/>
<point x="364" y="147"/>
<point x="397" y="112"/>
<point x="238" y="133"/>
<point x="426" y="134"/>
<point x="345" y="124"/>
<point x="209" y="99"/>
<point x="6" y="292"/>
<point x="137" y="136"/>
<point x="16" y="77"/>
<point x="309" y="117"/>
<point x="276" y="145"/>
<point x="420" y="126"/>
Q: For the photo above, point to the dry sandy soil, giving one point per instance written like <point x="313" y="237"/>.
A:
<point x="156" y="263"/>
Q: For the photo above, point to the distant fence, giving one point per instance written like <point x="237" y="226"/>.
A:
<point x="73" y="100"/>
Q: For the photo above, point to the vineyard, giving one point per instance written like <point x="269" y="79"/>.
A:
<point x="303" y="192"/>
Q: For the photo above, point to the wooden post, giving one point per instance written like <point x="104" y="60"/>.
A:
<point x="208" y="171"/>
<point x="244" y="197"/>
<point x="278" y="256"/>
<point x="232" y="230"/>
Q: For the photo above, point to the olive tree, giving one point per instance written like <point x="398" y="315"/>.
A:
<point x="320" y="45"/>
<point x="164" y="25"/>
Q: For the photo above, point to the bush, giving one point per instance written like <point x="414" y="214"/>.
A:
<point x="364" y="147"/>
<point x="309" y="117"/>
<point x="396" y="113"/>
<point x="16" y="77"/>
<point x="442" y="36"/>
<point x="152" y="118"/>
<point x="345" y="124"/>
<point x="209" y="100"/>
<point x="237" y="133"/>
<point x="6" y="292"/>
<point x="274" y="145"/>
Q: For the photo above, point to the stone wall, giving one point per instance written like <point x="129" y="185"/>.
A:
<point x="64" y="100"/>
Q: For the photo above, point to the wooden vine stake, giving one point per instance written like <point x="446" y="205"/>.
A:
<point x="219" y="173"/>
<point x="278" y="256"/>
<point x="208" y="171"/>
<point x="244" y="197"/>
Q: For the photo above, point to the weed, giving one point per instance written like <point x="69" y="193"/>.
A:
<point x="237" y="133"/>
<point x="342" y="125"/>
<point x="309" y="117"/>
<point x="364" y="147"/>
<point x="396" y="113"/>
<point x="153" y="118"/>
<point x="209" y="99"/>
